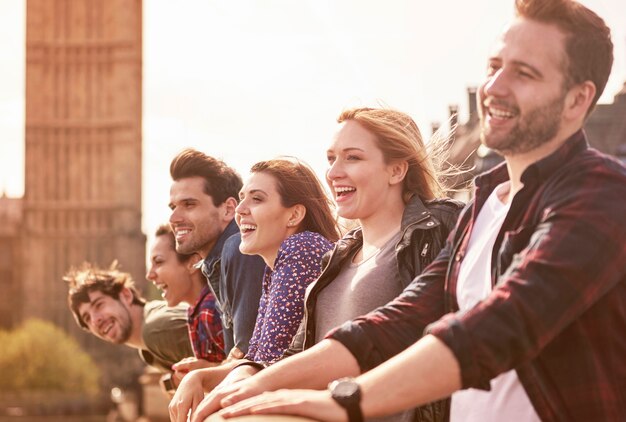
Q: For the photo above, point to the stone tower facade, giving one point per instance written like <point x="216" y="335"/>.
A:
<point x="83" y="148"/>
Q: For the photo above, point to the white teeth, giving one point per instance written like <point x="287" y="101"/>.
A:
<point x="182" y="232"/>
<point x="501" y="114"/>
<point x="246" y="227"/>
<point x="344" y="189"/>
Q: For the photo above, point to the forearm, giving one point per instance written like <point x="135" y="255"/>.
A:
<point x="313" y="368"/>
<point x="213" y="376"/>
<point x="425" y="372"/>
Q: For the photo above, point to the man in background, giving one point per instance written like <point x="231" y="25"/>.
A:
<point x="106" y="303"/>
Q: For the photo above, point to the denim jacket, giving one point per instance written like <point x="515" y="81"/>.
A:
<point x="235" y="280"/>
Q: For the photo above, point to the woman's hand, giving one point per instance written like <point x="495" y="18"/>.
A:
<point x="307" y="403"/>
<point x="188" y="395"/>
<point x="238" y="385"/>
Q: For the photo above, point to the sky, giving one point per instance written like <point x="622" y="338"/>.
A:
<point x="251" y="80"/>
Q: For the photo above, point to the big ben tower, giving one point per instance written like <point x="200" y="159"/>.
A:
<point x="83" y="146"/>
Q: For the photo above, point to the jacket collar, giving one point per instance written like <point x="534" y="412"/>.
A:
<point x="414" y="212"/>
<point x="216" y="252"/>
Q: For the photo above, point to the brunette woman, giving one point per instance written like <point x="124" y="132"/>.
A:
<point x="285" y="217"/>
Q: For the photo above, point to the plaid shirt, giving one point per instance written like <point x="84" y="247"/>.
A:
<point x="205" y="328"/>
<point x="557" y="312"/>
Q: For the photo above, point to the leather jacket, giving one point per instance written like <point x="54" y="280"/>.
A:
<point x="425" y="227"/>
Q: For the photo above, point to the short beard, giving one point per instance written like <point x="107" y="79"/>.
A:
<point x="126" y="330"/>
<point x="535" y="129"/>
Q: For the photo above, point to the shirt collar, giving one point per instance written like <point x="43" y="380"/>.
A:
<point x="539" y="170"/>
<point x="545" y="167"/>
<point x="194" y="309"/>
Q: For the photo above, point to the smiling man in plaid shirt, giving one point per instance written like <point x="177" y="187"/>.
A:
<point x="524" y="311"/>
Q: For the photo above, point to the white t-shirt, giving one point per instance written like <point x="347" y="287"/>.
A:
<point x="507" y="400"/>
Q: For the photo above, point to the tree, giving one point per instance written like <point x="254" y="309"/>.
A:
<point x="39" y="356"/>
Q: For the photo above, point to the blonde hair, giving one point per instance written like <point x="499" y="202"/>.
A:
<point x="399" y="139"/>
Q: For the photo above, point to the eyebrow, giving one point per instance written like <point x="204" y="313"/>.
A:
<point x="187" y="199"/>
<point x="257" y="191"/>
<point x="528" y="66"/>
<point x="91" y="305"/>
<point x="518" y="63"/>
<point x="347" y="149"/>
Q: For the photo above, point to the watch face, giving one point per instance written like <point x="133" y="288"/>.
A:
<point x="344" y="388"/>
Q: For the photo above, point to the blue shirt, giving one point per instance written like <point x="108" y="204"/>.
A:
<point x="235" y="280"/>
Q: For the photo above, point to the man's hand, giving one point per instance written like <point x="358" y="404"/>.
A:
<point x="238" y="385"/>
<point x="187" y="365"/>
<point x="307" y="403"/>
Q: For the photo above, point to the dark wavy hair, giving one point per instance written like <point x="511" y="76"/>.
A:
<point x="297" y="184"/>
<point x="220" y="181"/>
<point x="89" y="278"/>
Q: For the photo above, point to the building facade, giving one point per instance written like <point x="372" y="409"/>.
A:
<point x="83" y="152"/>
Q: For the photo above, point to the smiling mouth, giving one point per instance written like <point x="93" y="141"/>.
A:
<point x="342" y="191"/>
<point x="180" y="233"/>
<point x="499" y="110"/>
<point x="247" y="228"/>
<point x="500" y="113"/>
<point x="163" y="288"/>
<point x="106" y="327"/>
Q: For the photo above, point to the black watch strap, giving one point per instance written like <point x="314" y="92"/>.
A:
<point x="347" y="393"/>
<point x="256" y="365"/>
<point x="354" y="413"/>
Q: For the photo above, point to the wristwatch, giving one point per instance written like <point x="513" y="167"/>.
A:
<point x="167" y="383"/>
<point x="347" y="393"/>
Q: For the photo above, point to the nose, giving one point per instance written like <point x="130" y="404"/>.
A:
<point x="496" y="85"/>
<point x="95" y="318"/>
<point x="242" y="208"/>
<point x="335" y="171"/>
<point x="151" y="274"/>
<point x="174" y="216"/>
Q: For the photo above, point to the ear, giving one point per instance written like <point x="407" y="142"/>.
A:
<point x="297" y="214"/>
<point x="578" y="100"/>
<point x="192" y="261"/>
<point x="398" y="172"/>
<point x="126" y="296"/>
<point x="228" y="208"/>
